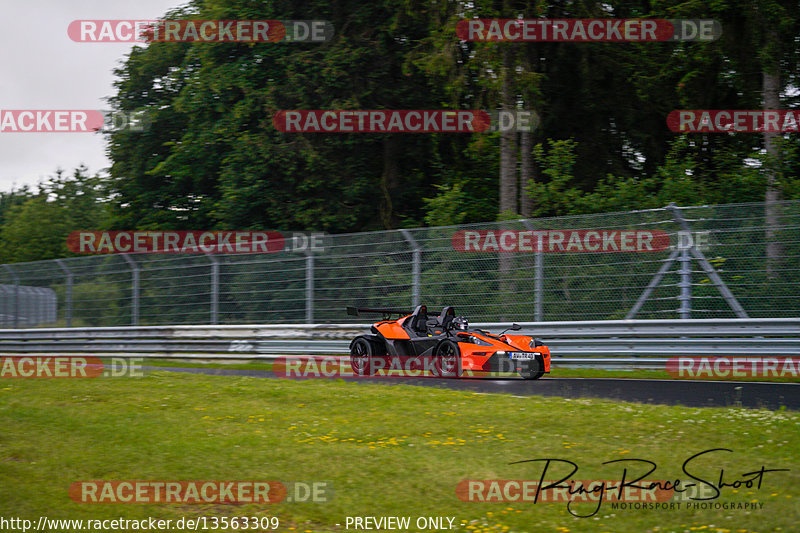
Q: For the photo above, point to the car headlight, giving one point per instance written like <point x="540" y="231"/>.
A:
<point x="535" y="343"/>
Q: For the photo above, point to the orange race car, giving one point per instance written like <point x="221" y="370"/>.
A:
<point x="443" y="344"/>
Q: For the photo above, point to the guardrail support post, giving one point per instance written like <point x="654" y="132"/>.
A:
<point x="134" y="289"/>
<point x="416" y="264"/>
<point x="16" y="294"/>
<point x="214" y="312"/>
<point x="68" y="292"/>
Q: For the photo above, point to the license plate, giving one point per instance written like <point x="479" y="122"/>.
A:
<point x="524" y="356"/>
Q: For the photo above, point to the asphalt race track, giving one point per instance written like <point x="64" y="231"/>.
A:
<point x="693" y="393"/>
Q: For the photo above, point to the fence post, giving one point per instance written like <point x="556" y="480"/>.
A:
<point x="707" y="267"/>
<point x="538" y="276"/>
<point x="416" y="263"/>
<point x="654" y="281"/>
<point x="309" y="287"/>
<point x="214" y="288"/>
<point x="16" y="293"/>
<point x="538" y="279"/>
<point x="134" y="289"/>
<point x="685" y="285"/>
<point x="68" y="295"/>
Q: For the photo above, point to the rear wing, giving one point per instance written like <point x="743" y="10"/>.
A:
<point x="357" y="311"/>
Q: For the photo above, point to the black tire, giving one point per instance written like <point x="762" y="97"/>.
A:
<point x="361" y="353"/>
<point x="533" y="369"/>
<point x="447" y="360"/>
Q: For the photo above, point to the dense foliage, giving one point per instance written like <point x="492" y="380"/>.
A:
<point x="212" y="158"/>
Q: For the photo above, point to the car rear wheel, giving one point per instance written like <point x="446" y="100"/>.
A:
<point x="447" y="360"/>
<point x="361" y="352"/>
<point x="532" y="369"/>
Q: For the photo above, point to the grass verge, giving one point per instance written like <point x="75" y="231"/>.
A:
<point x="386" y="450"/>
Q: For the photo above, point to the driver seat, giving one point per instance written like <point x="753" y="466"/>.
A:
<point x="446" y="317"/>
<point x="417" y="323"/>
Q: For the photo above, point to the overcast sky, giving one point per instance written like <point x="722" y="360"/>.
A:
<point x="41" y="68"/>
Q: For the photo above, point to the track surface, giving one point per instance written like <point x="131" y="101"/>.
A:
<point x="668" y="392"/>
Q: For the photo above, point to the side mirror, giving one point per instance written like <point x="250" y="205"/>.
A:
<point x="513" y="327"/>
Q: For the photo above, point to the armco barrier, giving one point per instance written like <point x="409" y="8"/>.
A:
<point x="607" y="343"/>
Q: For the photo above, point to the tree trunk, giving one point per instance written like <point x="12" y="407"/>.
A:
<point x="508" y="185"/>
<point x="526" y="173"/>
<point x="388" y="180"/>
<point x="508" y="140"/>
<point x="771" y="87"/>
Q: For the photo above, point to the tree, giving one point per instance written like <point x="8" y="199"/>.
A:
<point x="212" y="157"/>
<point x="37" y="228"/>
<point x="13" y="198"/>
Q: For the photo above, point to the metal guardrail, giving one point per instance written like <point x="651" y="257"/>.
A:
<point x="608" y="343"/>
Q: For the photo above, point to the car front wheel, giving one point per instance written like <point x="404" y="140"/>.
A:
<point x="447" y="360"/>
<point x="532" y="369"/>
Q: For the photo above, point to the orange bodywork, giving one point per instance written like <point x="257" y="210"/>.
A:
<point x="476" y="358"/>
<point x="392" y="330"/>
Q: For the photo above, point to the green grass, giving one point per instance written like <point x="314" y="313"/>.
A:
<point x="386" y="450"/>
